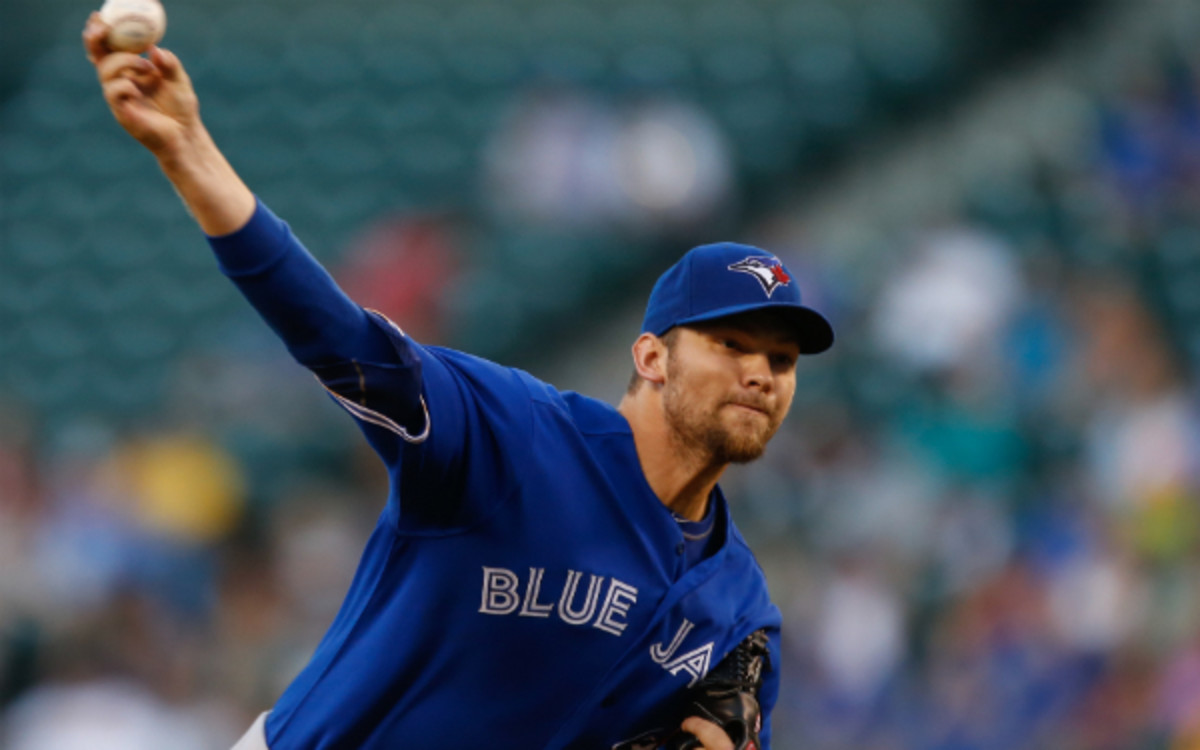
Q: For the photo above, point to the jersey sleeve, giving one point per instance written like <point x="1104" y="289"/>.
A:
<point x="295" y="295"/>
<point x="478" y="431"/>
<point x="444" y="423"/>
<point x="384" y="391"/>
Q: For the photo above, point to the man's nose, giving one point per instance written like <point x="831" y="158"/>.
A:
<point x="756" y="369"/>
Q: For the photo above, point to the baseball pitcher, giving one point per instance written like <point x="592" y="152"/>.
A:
<point x="548" y="571"/>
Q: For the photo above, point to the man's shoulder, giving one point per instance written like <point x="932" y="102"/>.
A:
<point x="590" y="415"/>
<point x="480" y="372"/>
<point x="593" y="416"/>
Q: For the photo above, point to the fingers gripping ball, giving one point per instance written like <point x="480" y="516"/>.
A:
<point x="134" y="25"/>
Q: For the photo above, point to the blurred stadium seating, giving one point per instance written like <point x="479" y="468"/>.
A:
<point x="340" y="114"/>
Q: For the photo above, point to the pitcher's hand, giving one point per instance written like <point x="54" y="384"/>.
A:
<point x="710" y="736"/>
<point x="151" y="97"/>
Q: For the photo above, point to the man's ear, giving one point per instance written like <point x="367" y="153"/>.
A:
<point x="650" y="358"/>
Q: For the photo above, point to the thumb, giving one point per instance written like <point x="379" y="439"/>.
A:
<point x="710" y="735"/>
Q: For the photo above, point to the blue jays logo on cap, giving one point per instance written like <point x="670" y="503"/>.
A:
<point x="769" y="272"/>
<point x="700" y="288"/>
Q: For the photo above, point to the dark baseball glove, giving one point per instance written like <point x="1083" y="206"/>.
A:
<point x="728" y="697"/>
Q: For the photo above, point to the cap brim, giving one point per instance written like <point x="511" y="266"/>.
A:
<point x="814" y="334"/>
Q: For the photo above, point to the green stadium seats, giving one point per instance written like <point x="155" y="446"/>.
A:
<point x="402" y="24"/>
<point x="431" y="156"/>
<point x="475" y="117"/>
<point x="636" y="23"/>
<point x="317" y="65"/>
<point x="121" y="389"/>
<point x="259" y="156"/>
<point x="27" y="157"/>
<point x="49" y="389"/>
<point x="55" y="337"/>
<point x="60" y="111"/>
<point x="63" y="69"/>
<point x="657" y="65"/>
<point x="26" y="294"/>
<point x="739" y="64"/>
<point x="426" y="108"/>
<point x="337" y="114"/>
<point x="39" y="245"/>
<point x="830" y="83"/>
<point x="902" y="45"/>
<point x="117" y="246"/>
<point x="569" y="43"/>
<point x="483" y="45"/>
<point x="235" y="70"/>
<point x="485" y="313"/>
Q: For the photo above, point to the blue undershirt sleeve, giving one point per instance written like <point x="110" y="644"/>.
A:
<point x="325" y="330"/>
<point x="425" y="411"/>
<point x="295" y="295"/>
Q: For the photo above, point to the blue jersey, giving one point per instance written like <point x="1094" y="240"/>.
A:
<point x="524" y="587"/>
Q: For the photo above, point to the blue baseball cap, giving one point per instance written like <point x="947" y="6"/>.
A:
<point x="725" y="278"/>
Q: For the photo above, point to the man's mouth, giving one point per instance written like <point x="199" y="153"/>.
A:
<point x="759" y="408"/>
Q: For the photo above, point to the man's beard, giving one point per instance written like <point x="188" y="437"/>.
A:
<point x="703" y="433"/>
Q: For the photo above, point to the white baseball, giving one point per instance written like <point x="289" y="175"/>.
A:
<point x="133" y="24"/>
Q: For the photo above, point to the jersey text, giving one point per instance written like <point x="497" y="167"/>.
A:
<point x="605" y="608"/>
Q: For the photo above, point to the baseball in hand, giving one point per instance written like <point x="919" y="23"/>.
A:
<point x="134" y="25"/>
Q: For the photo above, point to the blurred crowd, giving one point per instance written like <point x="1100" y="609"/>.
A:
<point x="990" y="499"/>
<point x="981" y="519"/>
<point x="154" y="592"/>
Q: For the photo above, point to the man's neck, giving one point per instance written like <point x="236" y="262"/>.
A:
<point x="682" y="478"/>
